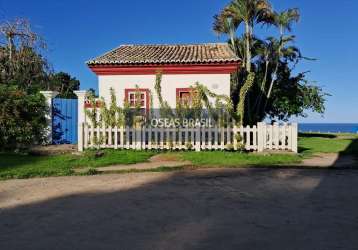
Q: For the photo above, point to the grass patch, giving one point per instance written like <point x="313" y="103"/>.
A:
<point x="26" y="166"/>
<point x="111" y="157"/>
<point x="311" y="143"/>
<point x="233" y="159"/>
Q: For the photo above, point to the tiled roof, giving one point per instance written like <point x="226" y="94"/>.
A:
<point x="167" y="54"/>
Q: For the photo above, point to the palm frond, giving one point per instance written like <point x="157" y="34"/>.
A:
<point x="285" y="19"/>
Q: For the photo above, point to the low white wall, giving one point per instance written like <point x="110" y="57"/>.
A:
<point x="218" y="83"/>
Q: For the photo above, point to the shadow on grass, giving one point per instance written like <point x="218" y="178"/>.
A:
<point x="13" y="160"/>
<point x="352" y="149"/>
<point x="302" y="149"/>
<point x="349" y="157"/>
<point x="319" y="135"/>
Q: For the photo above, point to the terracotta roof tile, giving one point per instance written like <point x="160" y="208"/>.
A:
<point x="164" y="54"/>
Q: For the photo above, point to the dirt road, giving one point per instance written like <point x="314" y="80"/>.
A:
<point x="203" y="209"/>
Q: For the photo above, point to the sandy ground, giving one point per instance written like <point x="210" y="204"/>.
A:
<point x="203" y="209"/>
<point x="330" y="160"/>
<point x="156" y="161"/>
<point x="53" y="149"/>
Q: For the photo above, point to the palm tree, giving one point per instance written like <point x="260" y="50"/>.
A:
<point x="225" y="25"/>
<point x="283" y="21"/>
<point x="247" y="12"/>
<point x="272" y="52"/>
<point x="267" y="51"/>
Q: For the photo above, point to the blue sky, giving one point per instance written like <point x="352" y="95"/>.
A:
<point x="79" y="30"/>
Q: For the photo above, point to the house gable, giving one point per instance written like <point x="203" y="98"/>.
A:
<point x="181" y="66"/>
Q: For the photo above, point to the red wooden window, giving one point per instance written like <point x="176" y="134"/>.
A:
<point x="135" y="99"/>
<point x="137" y="96"/>
<point x="185" y="96"/>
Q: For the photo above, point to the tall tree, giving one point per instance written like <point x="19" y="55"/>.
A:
<point x="271" y="51"/>
<point x="22" y="64"/>
<point x="248" y="13"/>
<point x="283" y="20"/>
<point x="18" y="34"/>
<point x="20" y="60"/>
<point x="64" y="84"/>
<point x="259" y="88"/>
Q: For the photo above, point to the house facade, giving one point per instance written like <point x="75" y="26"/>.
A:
<point x="130" y="68"/>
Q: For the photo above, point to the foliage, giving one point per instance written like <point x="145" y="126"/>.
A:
<point x="18" y="33"/>
<point x="92" y="113"/>
<point x="111" y="116"/>
<point x="199" y="106"/>
<point x="91" y="91"/>
<point x="22" y="62"/>
<point x="102" y="115"/>
<point x="22" y="117"/>
<point x="276" y="92"/>
<point x="189" y="146"/>
<point x="243" y="93"/>
<point x="27" y="69"/>
<point x="206" y="104"/>
<point x="240" y="143"/>
<point x="134" y="116"/>
<point x="293" y="95"/>
<point x="23" y="73"/>
<point x="248" y="13"/>
<point x="165" y="110"/>
<point x="64" y="84"/>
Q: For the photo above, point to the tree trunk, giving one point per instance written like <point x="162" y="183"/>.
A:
<point x="265" y="76"/>
<point x="10" y="44"/>
<point x="272" y="80"/>
<point x="248" y="47"/>
<point x="274" y="76"/>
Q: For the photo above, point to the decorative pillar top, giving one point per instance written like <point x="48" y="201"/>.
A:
<point x="49" y="93"/>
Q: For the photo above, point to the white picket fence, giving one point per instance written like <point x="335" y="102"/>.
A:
<point x="257" y="138"/>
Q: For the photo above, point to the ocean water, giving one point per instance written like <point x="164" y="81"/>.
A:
<point x="328" y="127"/>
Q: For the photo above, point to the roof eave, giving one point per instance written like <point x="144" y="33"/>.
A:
<point x="150" y="69"/>
<point x="126" y="64"/>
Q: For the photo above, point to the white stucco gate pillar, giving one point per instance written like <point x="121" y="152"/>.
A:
<point x="49" y="95"/>
<point x="81" y="95"/>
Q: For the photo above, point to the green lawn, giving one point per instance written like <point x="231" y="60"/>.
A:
<point x="26" y="166"/>
<point x="310" y="143"/>
<point x="231" y="159"/>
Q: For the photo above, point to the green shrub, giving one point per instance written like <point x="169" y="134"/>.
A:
<point x="22" y="118"/>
